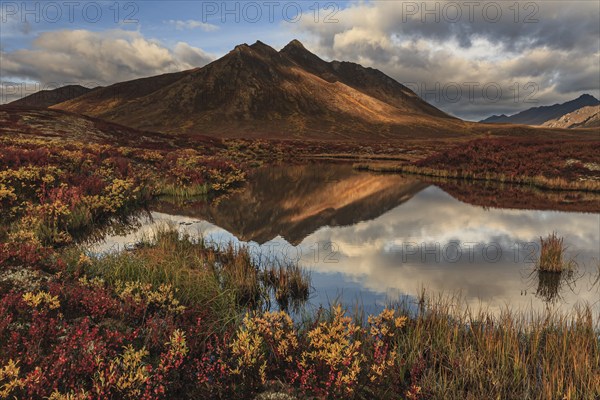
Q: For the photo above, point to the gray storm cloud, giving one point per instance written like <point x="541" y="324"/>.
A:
<point x="495" y="48"/>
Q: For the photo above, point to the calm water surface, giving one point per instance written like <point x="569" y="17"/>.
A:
<point x="373" y="239"/>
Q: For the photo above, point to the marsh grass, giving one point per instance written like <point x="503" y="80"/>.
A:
<point x="552" y="255"/>
<point x="552" y="271"/>
<point x="455" y="353"/>
<point x="225" y="280"/>
<point x="169" y="260"/>
<point x="549" y="286"/>
<point x="290" y="285"/>
<point x="179" y="191"/>
<point x="512" y="160"/>
<point x="443" y="349"/>
<point x="451" y="350"/>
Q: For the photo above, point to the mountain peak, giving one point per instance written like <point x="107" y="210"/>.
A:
<point x="258" y="45"/>
<point x="258" y="49"/>
<point x="241" y="47"/>
<point x="295" y="47"/>
<point x="587" y="96"/>
<point x="295" y="43"/>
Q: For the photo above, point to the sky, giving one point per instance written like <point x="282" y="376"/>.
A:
<point x="471" y="59"/>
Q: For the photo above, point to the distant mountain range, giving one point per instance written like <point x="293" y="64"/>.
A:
<point x="540" y="115"/>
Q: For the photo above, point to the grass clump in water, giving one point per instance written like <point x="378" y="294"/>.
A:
<point x="552" y="269"/>
<point x="552" y="251"/>
<point x="290" y="285"/>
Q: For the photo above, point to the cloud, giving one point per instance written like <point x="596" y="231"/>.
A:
<point x="12" y="26"/>
<point x="192" y="56"/>
<point x="548" y="44"/>
<point x="104" y="58"/>
<point x="192" y="24"/>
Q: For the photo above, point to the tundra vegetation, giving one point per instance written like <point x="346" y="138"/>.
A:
<point x="176" y="318"/>
<point x="544" y="163"/>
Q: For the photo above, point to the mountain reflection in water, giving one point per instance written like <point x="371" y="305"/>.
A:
<point x="372" y="238"/>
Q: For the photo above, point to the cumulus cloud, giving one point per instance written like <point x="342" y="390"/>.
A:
<point x="83" y="56"/>
<point x="191" y="56"/>
<point x="545" y="53"/>
<point x="192" y="24"/>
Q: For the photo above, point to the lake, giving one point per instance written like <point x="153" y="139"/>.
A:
<point x="371" y="239"/>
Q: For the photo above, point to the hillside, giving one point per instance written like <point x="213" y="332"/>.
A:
<point x="47" y="125"/>
<point x="47" y="98"/>
<point x="585" y="117"/>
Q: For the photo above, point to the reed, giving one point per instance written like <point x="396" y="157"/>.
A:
<point x="289" y="285"/>
<point x="183" y="191"/>
<point x="552" y="255"/>
<point x="460" y="354"/>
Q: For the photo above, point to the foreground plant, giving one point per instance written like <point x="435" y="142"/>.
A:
<point x="552" y="250"/>
<point x="54" y="192"/>
<point x="126" y="326"/>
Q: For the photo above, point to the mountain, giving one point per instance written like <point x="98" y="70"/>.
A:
<point x="539" y="115"/>
<point x="116" y="96"/>
<point x="47" y="98"/>
<point x="585" y="117"/>
<point x="495" y="119"/>
<point x="256" y="91"/>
